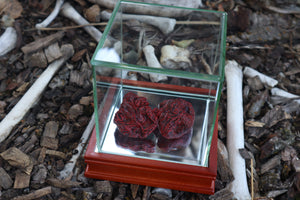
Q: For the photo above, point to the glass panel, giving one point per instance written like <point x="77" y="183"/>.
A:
<point x="133" y="78"/>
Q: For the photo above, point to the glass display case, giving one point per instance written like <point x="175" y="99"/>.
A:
<point x="157" y="84"/>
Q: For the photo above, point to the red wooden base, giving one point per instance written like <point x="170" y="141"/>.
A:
<point x="154" y="173"/>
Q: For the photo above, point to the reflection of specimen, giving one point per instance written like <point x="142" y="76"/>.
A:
<point x="135" y="144"/>
<point x="171" y="122"/>
<point x="168" y="145"/>
<point x="135" y="117"/>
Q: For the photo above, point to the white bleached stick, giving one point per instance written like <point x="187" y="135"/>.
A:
<point x="69" y="167"/>
<point x="150" y="10"/>
<point x="68" y="11"/>
<point x="33" y="94"/>
<point x="250" y="73"/>
<point x="280" y="96"/>
<point x="8" y="40"/>
<point x="282" y="93"/>
<point x="235" y="130"/>
<point x="52" y="16"/>
<point x="153" y="62"/>
<point x="165" y="24"/>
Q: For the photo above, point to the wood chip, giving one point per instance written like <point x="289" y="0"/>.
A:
<point x="288" y="154"/>
<point x="42" y="155"/>
<point x="292" y="72"/>
<point x="296" y="165"/>
<point x="256" y="105"/>
<point x="92" y="14"/>
<point x="275" y="193"/>
<point x="42" y="43"/>
<point x="103" y="187"/>
<point x="75" y="111"/>
<point x="245" y="154"/>
<point x="49" y="142"/>
<point x="56" y="154"/>
<point x="22" y="180"/>
<point x="51" y="129"/>
<point x="134" y="189"/>
<point x="77" y="77"/>
<point x="48" y="139"/>
<point x="53" y="52"/>
<point x="62" y="183"/>
<point x="37" y="59"/>
<point x="146" y="193"/>
<point x="78" y="55"/>
<point x="275" y="115"/>
<point x="271" y="147"/>
<point x="40" y="176"/>
<point x="36" y="194"/>
<point x="30" y="144"/>
<point x="86" y="100"/>
<point x="255" y="83"/>
<point x="270" y="164"/>
<point x="5" y="180"/>
<point x="223" y="166"/>
<point x="270" y="119"/>
<point x="224" y="194"/>
<point x="13" y="8"/>
<point x="18" y="159"/>
<point x="251" y="123"/>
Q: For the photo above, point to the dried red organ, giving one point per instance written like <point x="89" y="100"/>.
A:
<point x="135" y="117"/>
<point x="175" y="118"/>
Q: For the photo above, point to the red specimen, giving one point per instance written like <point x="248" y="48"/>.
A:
<point x="175" y="118"/>
<point x="135" y="117"/>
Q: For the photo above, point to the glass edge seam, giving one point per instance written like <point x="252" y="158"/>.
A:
<point x="223" y="54"/>
<point x="105" y="33"/>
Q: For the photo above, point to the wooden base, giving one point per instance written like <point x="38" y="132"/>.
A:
<point x="154" y="173"/>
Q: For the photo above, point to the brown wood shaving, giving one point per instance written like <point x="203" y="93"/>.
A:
<point x="254" y="124"/>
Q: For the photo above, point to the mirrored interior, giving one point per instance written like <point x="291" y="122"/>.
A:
<point x="190" y="148"/>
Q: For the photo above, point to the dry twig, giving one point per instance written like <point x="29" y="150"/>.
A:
<point x="35" y="194"/>
<point x="52" y="16"/>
